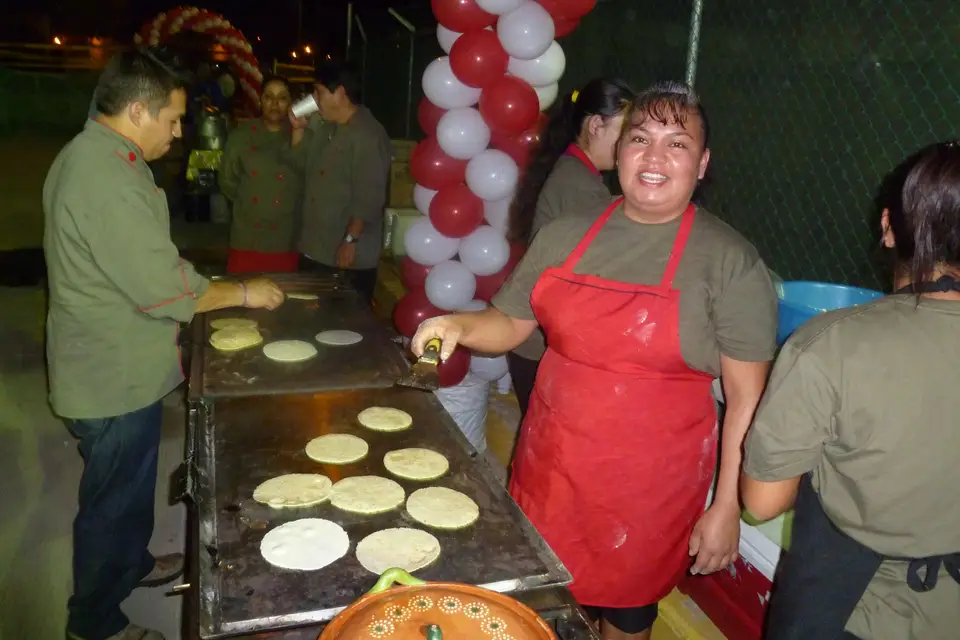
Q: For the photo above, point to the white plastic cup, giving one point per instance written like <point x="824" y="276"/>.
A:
<point x="305" y="106"/>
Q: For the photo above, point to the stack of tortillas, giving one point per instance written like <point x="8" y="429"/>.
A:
<point x="368" y="495"/>
<point x="404" y="548"/>
<point x="385" y="419"/>
<point x="233" y="323"/>
<point x="235" y="338"/>
<point x="338" y="337"/>
<point x="416" y="464"/>
<point x="337" y="448"/>
<point x="294" y="490"/>
<point x="296" y="295"/>
<point x="289" y="350"/>
<point x="442" y="508"/>
<point x="305" y="545"/>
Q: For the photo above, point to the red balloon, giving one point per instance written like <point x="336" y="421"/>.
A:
<point x="455" y="368"/>
<point x="428" y="115"/>
<point x="413" y="274"/>
<point x="455" y="211"/>
<point x="461" y="15"/>
<point x="509" y="106"/>
<point x="564" y="26"/>
<point x="411" y="310"/>
<point x="519" y="147"/>
<point x="488" y="286"/>
<point x="567" y="9"/>
<point x="478" y="59"/>
<point x="432" y="168"/>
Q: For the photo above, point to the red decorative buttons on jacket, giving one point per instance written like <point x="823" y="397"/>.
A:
<point x="253" y="172"/>
<point x="132" y="156"/>
<point x="253" y="127"/>
<point x="273" y="227"/>
<point x="279" y="176"/>
<point x="253" y="148"/>
<point x="256" y="225"/>
<point x="255" y="199"/>
<point x="276" y="202"/>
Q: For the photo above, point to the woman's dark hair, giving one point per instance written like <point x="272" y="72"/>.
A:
<point x="668" y="102"/>
<point x="603" y="97"/>
<point x="925" y="211"/>
<point x="272" y="78"/>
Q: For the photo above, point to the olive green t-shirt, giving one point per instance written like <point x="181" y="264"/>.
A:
<point x="866" y="399"/>
<point x="345" y="170"/>
<point x="571" y="189"/>
<point x="727" y="301"/>
<point x="118" y="286"/>
<point x="263" y="189"/>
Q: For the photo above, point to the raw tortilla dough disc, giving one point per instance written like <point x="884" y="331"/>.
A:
<point x="294" y="490"/>
<point x="233" y="323"/>
<point x="234" y="339"/>
<point x="367" y="495"/>
<point x="302" y="296"/>
<point x="442" y="508"/>
<point x="338" y="337"/>
<point x="404" y="548"/>
<point x="416" y="464"/>
<point x="385" y="419"/>
<point x="289" y="350"/>
<point x="337" y="448"/>
<point x="305" y="545"/>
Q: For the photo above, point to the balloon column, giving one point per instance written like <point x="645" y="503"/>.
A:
<point x="482" y="115"/>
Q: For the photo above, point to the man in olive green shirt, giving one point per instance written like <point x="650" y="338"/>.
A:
<point x="118" y="289"/>
<point x="345" y="169"/>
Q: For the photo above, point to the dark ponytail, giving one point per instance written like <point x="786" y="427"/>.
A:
<point x="603" y="97"/>
<point x="925" y="218"/>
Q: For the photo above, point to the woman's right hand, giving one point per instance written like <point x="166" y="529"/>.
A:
<point x="446" y="328"/>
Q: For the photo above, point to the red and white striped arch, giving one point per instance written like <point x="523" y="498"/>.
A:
<point x="244" y="63"/>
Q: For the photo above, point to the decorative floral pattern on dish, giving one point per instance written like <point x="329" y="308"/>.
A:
<point x="495" y="627"/>
<point x="476" y="610"/>
<point x="380" y="629"/>
<point x="396" y="613"/>
<point x="450" y="605"/>
<point x="420" y="604"/>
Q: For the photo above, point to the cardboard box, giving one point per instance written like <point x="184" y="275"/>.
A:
<point x="401" y="186"/>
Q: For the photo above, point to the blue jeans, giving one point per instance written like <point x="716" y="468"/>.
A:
<point x="115" y="520"/>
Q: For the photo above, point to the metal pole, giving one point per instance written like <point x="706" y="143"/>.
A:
<point x="693" y="47"/>
<point x="413" y="37"/>
<point x="349" y="29"/>
<point x="363" y="58"/>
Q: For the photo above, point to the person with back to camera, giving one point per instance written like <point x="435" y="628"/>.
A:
<point x="563" y="178"/>
<point x="642" y="309"/>
<point x="859" y="429"/>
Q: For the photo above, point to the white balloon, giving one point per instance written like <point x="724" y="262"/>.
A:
<point x="462" y="133"/>
<point x="474" y="306"/>
<point x="450" y="285"/>
<point x="485" y="251"/>
<point x="427" y="246"/>
<point x="443" y="89"/>
<point x="526" y="32"/>
<point x="422" y="197"/>
<point x="488" y="368"/>
<point x="547" y="95"/>
<point x="446" y="37"/>
<point x="499" y="7"/>
<point x="542" y="70"/>
<point x="492" y="175"/>
<point x="497" y="213"/>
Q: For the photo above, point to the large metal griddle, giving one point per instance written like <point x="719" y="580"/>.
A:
<point x="376" y="361"/>
<point x="240" y="442"/>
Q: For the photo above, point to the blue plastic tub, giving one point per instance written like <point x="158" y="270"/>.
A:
<point x="800" y="301"/>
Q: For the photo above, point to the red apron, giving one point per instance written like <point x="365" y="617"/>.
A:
<point x="618" y="448"/>
<point x="244" y="261"/>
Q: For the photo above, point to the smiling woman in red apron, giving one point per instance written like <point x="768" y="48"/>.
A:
<point x="263" y="190"/>
<point x="859" y="425"/>
<point x="564" y="178"/>
<point x="642" y="308"/>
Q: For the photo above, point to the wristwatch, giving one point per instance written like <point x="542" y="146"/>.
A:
<point x="350" y="238"/>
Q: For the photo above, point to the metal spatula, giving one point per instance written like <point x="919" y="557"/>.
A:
<point x="423" y="374"/>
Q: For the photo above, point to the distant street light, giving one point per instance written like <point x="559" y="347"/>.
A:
<point x="293" y="54"/>
<point x="57" y="41"/>
<point x="307" y="49"/>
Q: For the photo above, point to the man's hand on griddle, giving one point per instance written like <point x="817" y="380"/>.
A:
<point x="263" y="294"/>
